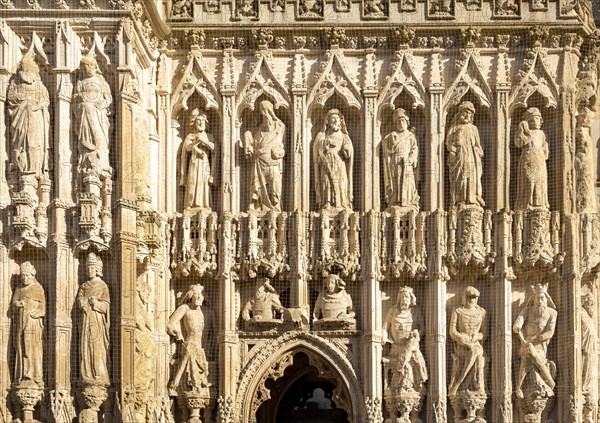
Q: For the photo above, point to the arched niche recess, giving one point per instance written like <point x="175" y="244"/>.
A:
<point x="250" y="119"/>
<point x="412" y="103"/>
<point x="353" y="118"/>
<point x="487" y="135"/>
<point x="270" y="361"/>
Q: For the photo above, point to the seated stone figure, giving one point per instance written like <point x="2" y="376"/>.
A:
<point x="265" y="308"/>
<point x="333" y="309"/>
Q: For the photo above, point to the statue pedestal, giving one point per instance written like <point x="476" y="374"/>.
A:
<point x="91" y="398"/>
<point x="195" y="401"/>
<point x="404" y="406"/>
<point x="27" y="395"/>
<point x="263" y="324"/>
<point x="334" y="324"/>
<point x="469" y="403"/>
<point x="534" y="409"/>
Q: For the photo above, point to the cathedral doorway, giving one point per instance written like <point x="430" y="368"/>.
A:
<point x="301" y="395"/>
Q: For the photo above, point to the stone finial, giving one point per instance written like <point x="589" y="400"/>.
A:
<point x="403" y="36"/>
<point x="195" y="38"/>
<point x="537" y="35"/>
<point x="470" y="36"/>
<point x="335" y="37"/>
<point x="262" y="37"/>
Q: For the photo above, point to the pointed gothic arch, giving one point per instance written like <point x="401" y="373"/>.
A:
<point x="271" y="360"/>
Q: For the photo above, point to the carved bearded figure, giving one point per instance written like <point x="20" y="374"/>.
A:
<point x="535" y="326"/>
<point x="264" y="304"/>
<point x="186" y="324"/>
<point x="333" y="302"/>
<point x="29" y="308"/>
<point x="400" y="158"/>
<point x="465" y="158"/>
<point x="196" y="176"/>
<point x="333" y="156"/>
<point x="28" y="102"/>
<point x="403" y="328"/>
<point x="532" y="180"/>
<point x="590" y="349"/>
<point x="467" y="326"/>
<point x="91" y="105"/>
<point x="93" y="300"/>
<point x="266" y="150"/>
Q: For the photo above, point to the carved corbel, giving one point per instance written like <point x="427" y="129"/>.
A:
<point x="264" y="240"/>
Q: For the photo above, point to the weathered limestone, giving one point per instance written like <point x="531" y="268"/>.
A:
<point x="259" y="178"/>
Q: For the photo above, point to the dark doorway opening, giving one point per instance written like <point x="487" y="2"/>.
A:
<point x="300" y="396"/>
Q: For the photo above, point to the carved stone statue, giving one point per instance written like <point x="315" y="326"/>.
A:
<point x="93" y="300"/>
<point x="532" y="179"/>
<point x="590" y="349"/>
<point x="186" y="324"/>
<point x="196" y="176"/>
<point x="465" y="158"/>
<point x="467" y="326"/>
<point x="91" y="105"/>
<point x="28" y="103"/>
<point x="333" y="303"/>
<point x="400" y="159"/>
<point x="29" y="308"/>
<point x="403" y="328"/>
<point x="145" y="347"/>
<point x="535" y="326"/>
<point x="266" y="151"/>
<point x="264" y="305"/>
<point x="585" y="162"/>
<point x="333" y="156"/>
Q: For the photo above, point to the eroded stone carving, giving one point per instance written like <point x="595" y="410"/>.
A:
<point x="190" y="382"/>
<point x="265" y="309"/>
<point x="145" y="347"/>
<point x="403" y="328"/>
<point x="196" y="175"/>
<point x="535" y="381"/>
<point x="92" y="100"/>
<point x="400" y="160"/>
<point x="590" y="348"/>
<point x="28" y="103"/>
<point x="333" y="309"/>
<point x="333" y="157"/>
<point x="266" y="150"/>
<point x="468" y="325"/>
<point x="28" y="310"/>
<point x="93" y="300"/>
<point x="585" y="162"/>
<point x="91" y="106"/>
<point x="465" y="158"/>
<point x="27" y="100"/>
<point x="532" y="180"/>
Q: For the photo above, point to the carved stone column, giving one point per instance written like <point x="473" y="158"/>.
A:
<point x="501" y="362"/>
<point x="61" y="292"/>
<point x="301" y="154"/>
<point x="435" y="318"/>
<point x="372" y="349"/>
<point x="228" y="339"/>
<point x="370" y="168"/>
<point x="127" y="105"/>
<point x="569" y="361"/>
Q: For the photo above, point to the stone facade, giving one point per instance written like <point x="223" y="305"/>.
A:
<point x="195" y="193"/>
